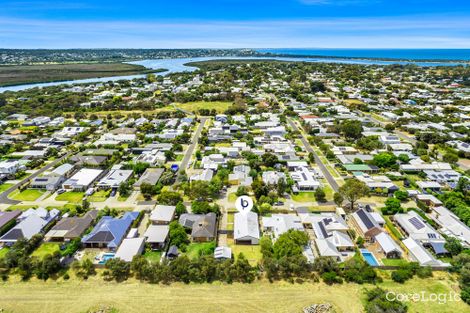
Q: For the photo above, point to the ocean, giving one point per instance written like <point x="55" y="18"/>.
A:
<point x="398" y="54"/>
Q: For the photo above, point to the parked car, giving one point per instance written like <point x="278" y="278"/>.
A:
<point x="113" y="192"/>
<point x="61" y="191"/>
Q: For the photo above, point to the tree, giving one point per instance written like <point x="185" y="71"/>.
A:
<point x="353" y="190"/>
<point x="281" y="187"/>
<point x="169" y="198"/>
<point x="290" y="243"/>
<point x="351" y="129"/>
<point x="269" y="159"/>
<point x="148" y="190"/>
<point x="124" y="189"/>
<point x="450" y="158"/>
<point x="453" y="245"/>
<point x="178" y="236"/>
<point x="385" y="160"/>
<point x="338" y="199"/>
<point x="117" y="269"/>
<point x="392" y="206"/>
<point x="180" y="208"/>
<point x="320" y="195"/>
<point x="401" y="195"/>
<point x="377" y="302"/>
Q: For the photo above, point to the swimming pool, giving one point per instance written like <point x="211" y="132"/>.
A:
<point x="105" y="257"/>
<point x="369" y="257"/>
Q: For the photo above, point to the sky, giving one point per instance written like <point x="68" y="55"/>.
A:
<point x="235" y="24"/>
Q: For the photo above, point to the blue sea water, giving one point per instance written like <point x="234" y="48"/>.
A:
<point x="400" y="54"/>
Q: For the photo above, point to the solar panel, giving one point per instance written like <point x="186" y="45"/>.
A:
<point x="365" y="219"/>
<point x="416" y="223"/>
<point x="432" y="236"/>
<point x="323" y="230"/>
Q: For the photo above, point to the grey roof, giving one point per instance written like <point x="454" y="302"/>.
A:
<point x="72" y="227"/>
<point x="205" y="226"/>
<point x="6" y="217"/>
<point x="157" y="233"/>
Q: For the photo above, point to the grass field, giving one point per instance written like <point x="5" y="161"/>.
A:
<point x="193" y="249"/>
<point x="153" y="256"/>
<point x="304" y="197"/>
<point x="76" y="296"/>
<point x="21" y="207"/>
<point x="45" y="249"/>
<point x="4" y="187"/>
<point x="219" y="106"/>
<point x="251" y="252"/>
<point x="71" y="196"/>
<point x="26" y="195"/>
<point x="99" y="196"/>
<point x="25" y="74"/>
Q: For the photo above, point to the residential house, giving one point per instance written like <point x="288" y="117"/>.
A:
<point x="114" y="179"/>
<point x="157" y="236"/>
<point x="82" y="180"/>
<point x="110" y="231"/>
<point x="162" y="214"/>
<point x="246" y="228"/>
<point x="70" y="228"/>
<point x="366" y="224"/>
<point x="129" y="248"/>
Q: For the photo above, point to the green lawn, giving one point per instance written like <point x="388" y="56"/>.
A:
<point x="27" y="194"/>
<point x="194" y="248"/>
<point x="232" y="197"/>
<point x="392" y="229"/>
<point x="3" y="252"/>
<point x="153" y="256"/>
<point x="4" y="187"/>
<point x="393" y="262"/>
<point x="99" y="196"/>
<point x="251" y="252"/>
<point x="21" y="207"/>
<point x="71" y="196"/>
<point x="304" y="197"/>
<point x="219" y="106"/>
<point x="45" y="249"/>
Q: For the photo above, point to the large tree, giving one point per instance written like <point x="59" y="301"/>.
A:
<point x="353" y="190"/>
<point x="351" y="129"/>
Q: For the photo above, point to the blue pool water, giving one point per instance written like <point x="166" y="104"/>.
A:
<point x="106" y="257"/>
<point x="369" y="257"/>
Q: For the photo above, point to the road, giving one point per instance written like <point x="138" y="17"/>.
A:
<point x="4" y="195"/>
<point x="191" y="147"/>
<point x="318" y="161"/>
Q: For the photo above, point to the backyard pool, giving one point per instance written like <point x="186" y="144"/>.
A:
<point x="105" y="257"/>
<point x="369" y="257"/>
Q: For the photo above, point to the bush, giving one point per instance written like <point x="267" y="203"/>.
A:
<point x="401" y="275"/>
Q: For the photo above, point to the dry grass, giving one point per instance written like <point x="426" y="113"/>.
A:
<point x="79" y="296"/>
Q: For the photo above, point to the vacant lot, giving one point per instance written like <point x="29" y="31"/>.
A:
<point x="71" y="196"/>
<point x="26" y="195"/>
<point x="25" y="74"/>
<point x="219" y="106"/>
<point x="79" y="296"/>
